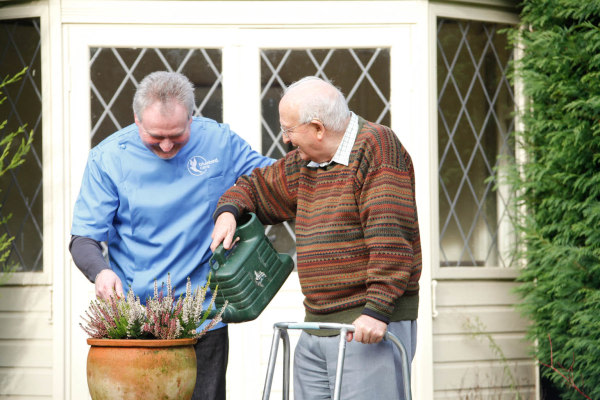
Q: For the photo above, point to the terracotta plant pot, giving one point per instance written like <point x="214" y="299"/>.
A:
<point x="141" y="369"/>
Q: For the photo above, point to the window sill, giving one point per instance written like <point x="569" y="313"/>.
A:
<point x="465" y="273"/>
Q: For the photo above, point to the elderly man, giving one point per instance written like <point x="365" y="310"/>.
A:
<point x="149" y="191"/>
<point x="350" y="186"/>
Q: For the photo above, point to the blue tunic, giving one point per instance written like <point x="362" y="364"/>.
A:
<point x="156" y="214"/>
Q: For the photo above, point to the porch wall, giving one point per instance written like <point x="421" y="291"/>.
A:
<point x="479" y="342"/>
<point x="25" y="342"/>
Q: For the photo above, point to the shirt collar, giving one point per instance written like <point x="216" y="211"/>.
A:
<point x="342" y="155"/>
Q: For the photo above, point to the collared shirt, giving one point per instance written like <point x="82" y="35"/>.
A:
<point x="342" y="155"/>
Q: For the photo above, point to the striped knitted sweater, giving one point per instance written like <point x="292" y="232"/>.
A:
<point x="357" y="234"/>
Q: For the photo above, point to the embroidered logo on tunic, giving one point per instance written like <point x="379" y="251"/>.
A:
<point x="198" y="165"/>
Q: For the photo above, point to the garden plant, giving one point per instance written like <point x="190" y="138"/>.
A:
<point x="12" y="155"/>
<point x="163" y="317"/>
<point x="558" y="187"/>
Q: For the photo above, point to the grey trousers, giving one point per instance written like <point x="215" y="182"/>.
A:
<point x="371" y="371"/>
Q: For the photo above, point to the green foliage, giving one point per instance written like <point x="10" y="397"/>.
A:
<point x="115" y="318"/>
<point x="12" y="154"/>
<point x="559" y="186"/>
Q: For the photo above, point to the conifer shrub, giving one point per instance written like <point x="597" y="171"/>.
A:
<point x="558" y="186"/>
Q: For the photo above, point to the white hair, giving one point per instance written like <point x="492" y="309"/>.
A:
<point x="330" y="107"/>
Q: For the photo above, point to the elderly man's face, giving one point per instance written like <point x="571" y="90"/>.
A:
<point x="299" y="135"/>
<point x="164" y="131"/>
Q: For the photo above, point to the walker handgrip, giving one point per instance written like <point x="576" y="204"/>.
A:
<point x="314" y="325"/>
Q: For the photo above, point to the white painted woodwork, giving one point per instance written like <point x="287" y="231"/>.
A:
<point x="25" y="342"/>
<point x="250" y="342"/>
<point x="26" y="383"/>
<point x="467" y="365"/>
<point x="478" y="341"/>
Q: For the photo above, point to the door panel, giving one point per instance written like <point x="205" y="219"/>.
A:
<point x="478" y="337"/>
<point x="240" y="78"/>
<point x="361" y="68"/>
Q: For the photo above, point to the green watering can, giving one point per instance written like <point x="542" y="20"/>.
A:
<point x="248" y="275"/>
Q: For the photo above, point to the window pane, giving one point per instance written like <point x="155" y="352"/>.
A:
<point x="116" y="72"/>
<point x="21" y="193"/>
<point x="475" y="123"/>
<point x="363" y="75"/>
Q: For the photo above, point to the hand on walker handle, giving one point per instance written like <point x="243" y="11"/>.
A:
<point x="367" y="330"/>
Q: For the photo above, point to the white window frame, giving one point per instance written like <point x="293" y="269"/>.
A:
<point x="453" y="11"/>
<point x="51" y="229"/>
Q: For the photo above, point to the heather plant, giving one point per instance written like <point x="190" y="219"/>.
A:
<point x="115" y="318"/>
<point x="161" y="318"/>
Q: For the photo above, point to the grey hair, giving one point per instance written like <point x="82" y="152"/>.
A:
<point x="164" y="87"/>
<point x="331" y="109"/>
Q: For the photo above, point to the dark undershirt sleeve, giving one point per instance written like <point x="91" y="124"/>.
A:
<point x="87" y="255"/>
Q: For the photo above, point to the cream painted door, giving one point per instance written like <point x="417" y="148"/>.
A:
<point x="372" y="67"/>
<point x="478" y="346"/>
<point x="378" y="67"/>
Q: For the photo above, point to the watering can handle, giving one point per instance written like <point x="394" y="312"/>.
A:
<point x="218" y="257"/>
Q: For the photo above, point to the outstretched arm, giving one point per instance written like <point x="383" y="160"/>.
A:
<point x="87" y="256"/>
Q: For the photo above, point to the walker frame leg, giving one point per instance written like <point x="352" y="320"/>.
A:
<point x="280" y="332"/>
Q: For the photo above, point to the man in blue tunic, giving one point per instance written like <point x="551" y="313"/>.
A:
<point x="149" y="191"/>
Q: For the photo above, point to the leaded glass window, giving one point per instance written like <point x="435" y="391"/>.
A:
<point x="116" y="72"/>
<point x="22" y="194"/>
<point x="363" y="75"/>
<point x="475" y="124"/>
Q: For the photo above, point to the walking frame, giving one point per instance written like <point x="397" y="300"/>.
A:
<point x="280" y="332"/>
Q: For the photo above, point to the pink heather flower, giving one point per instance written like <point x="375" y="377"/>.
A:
<point x="161" y="317"/>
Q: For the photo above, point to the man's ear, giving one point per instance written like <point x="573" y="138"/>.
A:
<point x="319" y="128"/>
<point x="137" y="121"/>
